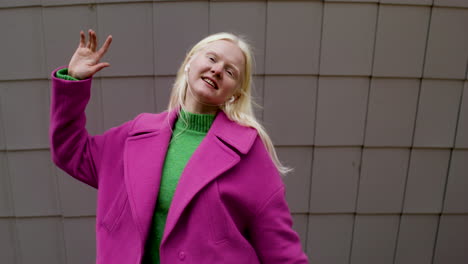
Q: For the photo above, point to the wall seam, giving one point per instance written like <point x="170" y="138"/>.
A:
<point x="417" y="111"/>
<point x="315" y="118"/>
<point x="411" y="148"/>
<point x="449" y="168"/>
<point x="364" y="137"/>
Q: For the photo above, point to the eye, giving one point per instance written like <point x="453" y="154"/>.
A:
<point x="230" y="72"/>
<point x="211" y="58"/>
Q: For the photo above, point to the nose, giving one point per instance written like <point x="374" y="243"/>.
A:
<point x="217" y="69"/>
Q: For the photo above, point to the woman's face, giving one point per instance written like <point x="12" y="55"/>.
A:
<point x="214" y="74"/>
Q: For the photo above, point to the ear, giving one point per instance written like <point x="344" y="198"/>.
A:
<point x="236" y="96"/>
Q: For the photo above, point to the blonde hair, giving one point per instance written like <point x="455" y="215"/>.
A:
<point x="240" y="110"/>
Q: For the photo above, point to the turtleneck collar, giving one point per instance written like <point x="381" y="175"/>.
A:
<point x="194" y="122"/>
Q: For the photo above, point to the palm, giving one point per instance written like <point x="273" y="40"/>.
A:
<point x="85" y="61"/>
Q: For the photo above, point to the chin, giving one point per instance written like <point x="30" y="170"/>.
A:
<point x="207" y="97"/>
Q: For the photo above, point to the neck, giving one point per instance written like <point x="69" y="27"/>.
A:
<point x="195" y="107"/>
<point x="202" y="109"/>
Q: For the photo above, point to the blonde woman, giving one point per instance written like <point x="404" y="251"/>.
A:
<point x="198" y="183"/>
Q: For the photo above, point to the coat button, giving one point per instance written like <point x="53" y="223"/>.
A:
<point x="181" y="255"/>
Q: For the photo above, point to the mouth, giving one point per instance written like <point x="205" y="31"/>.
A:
<point x="210" y="82"/>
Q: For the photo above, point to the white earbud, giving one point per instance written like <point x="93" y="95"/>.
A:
<point x="232" y="99"/>
<point x="187" y="66"/>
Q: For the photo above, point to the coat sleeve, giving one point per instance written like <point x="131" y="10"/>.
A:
<point x="272" y="235"/>
<point x="72" y="148"/>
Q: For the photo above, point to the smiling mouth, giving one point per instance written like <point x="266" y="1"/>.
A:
<point x="210" y="82"/>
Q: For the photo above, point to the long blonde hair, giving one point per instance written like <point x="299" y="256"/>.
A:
<point x="240" y="110"/>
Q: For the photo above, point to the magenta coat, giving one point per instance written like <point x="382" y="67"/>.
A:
<point x="229" y="205"/>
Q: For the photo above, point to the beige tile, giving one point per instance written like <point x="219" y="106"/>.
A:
<point x="451" y="241"/>
<point x="439" y="102"/>
<point x="341" y="110"/>
<point x="426" y="181"/>
<point x="163" y="90"/>
<point x="401" y="40"/>
<point x="41" y="240"/>
<point x="76" y="198"/>
<point x="173" y="37"/>
<point x="335" y="178"/>
<point x="19" y="3"/>
<point x="374" y="239"/>
<point x="447" y="46"/>
<point x="25" y="109"/>
<point x="66" y="2"/>
<point x="80" y="240"/>
<point x="2" y="122"/>
<point x="461" y="140"/>
<point x="6" y="202"/>
<point x="298" y="181"/>
<point x="382" y="180"/>
<point x="8" y="249"/>
<point x="22" y="43"/>
<point x="257" y="96"/>
<point x="407" y="2"/>
<point x="300" y="226"/>
<point x="34" y="183"/>
<point x="352" y="1"/>
<point x="124" y="98"/>
<point x="392" y="112"/>
<point x="348" y="39"/>
<point x="293" y="37"/>
<point x="329" y="238"/>
<point x="131" y="52"/>
<point x="452" y="3"/>
<point x="289" y="111"/>
<point x="94" y="116"/>
<point x="457" y="183"/>
<point x="416" y="239"/>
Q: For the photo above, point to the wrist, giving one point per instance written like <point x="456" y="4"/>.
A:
<point x="65" y="74"/>
<point x="72" y="74"/>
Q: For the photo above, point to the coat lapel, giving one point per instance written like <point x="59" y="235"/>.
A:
<point x="216" y="154"/>
<point x="144" y="156"/>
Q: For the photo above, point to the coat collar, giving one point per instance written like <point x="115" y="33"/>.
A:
<point x="144" y="156"/>
<point x="238" y="136"/>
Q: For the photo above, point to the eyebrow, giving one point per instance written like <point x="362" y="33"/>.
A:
<point x="229" y="63"/>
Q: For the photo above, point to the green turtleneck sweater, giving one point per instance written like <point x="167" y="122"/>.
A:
<point x="189" y="131"/>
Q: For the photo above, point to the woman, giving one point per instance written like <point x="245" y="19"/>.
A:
<point x="199" y="183"/>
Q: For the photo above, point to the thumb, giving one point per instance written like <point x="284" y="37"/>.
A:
<point x="98" y="67"/>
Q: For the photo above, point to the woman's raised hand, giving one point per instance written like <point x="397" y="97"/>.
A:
<point x="85" y="61"/>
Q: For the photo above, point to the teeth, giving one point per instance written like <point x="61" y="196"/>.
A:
<point x="209" y="82"/>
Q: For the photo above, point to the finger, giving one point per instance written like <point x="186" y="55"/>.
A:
<point x="98" y="67"/>
<point x="105" y="46"/>
<point x="88" y="45"/>
<point x="82" y="39"/>
<point x="93" y="40"/>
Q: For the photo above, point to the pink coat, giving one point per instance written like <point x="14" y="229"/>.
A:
<point x="229" y="206"/>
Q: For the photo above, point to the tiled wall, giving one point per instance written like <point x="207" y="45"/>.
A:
<point x="366" y="99"/>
